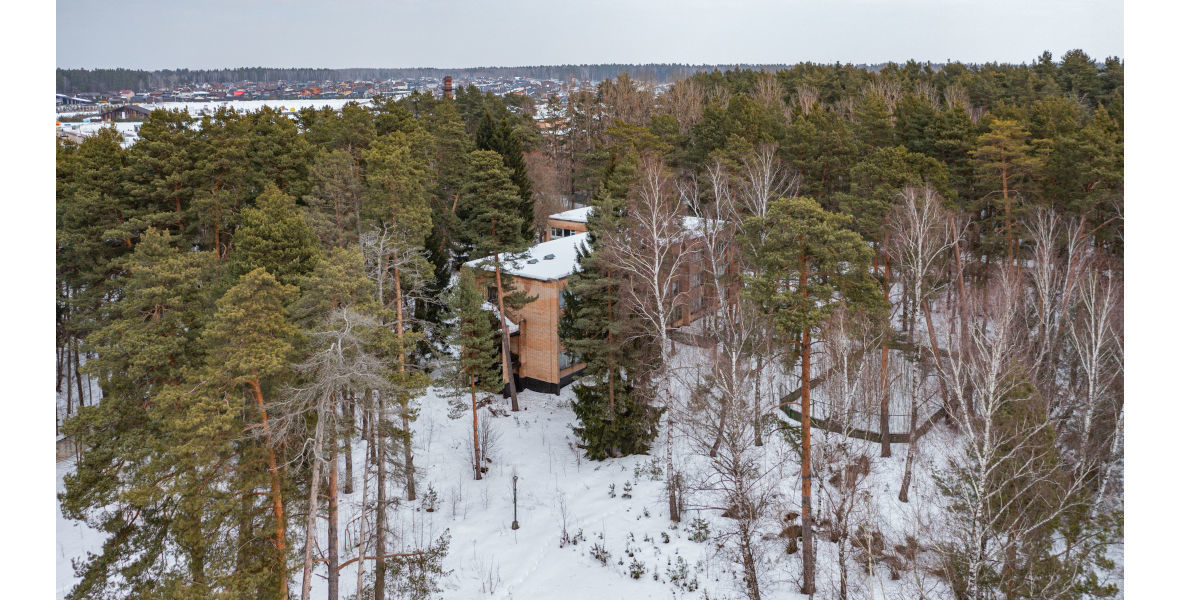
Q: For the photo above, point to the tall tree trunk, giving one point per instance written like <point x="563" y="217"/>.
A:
<point x="276" y="492"/>
<point x="362" y="542"/>
<point x="379" y="546"/>
<point x="805" y="430"/>
<point x="720" y="428"/>
<point x="964" y="347"/>
<point x="402" y="398"/>
<point x="69" y="384"/>
<point x="886" y="449"/>
<point x="60" y="358"/>
<point x="937" y="355"/>
<point x="911" y="449"/>
<point x="1007" y="213"/>
<point x="313" y="505"/>
<point x="758" y="400"/>
<point x="475" y="432"/>
<point x="333" y="518"/>
<point x="505" y="346"/>
<point x="78" y="374"/>
<point x="673" y="499"/>
<point x="350" y="418"/>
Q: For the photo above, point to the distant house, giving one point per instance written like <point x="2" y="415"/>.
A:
<point x="565" y="224"/>
<point x="538" y="360"/>
<point x="125" y="112"/>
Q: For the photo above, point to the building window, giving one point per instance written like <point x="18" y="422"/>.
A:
<point x="492" y="294"/>
<point x="695" y="305"/>
<point x="561" y="300"/>
<point x="567" y="360"/>
<point x="558" y="232"/>
<point x="675" y="286"/>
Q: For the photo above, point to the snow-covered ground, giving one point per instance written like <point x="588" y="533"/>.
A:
<point x="558" y="487"/>
<point x="489" y="559"/>
<point x="74" y="538"/>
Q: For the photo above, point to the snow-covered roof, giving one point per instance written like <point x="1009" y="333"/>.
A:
<point x="533" y="263"/>
<point x="577" y="215"/>
<point x="582" y="215"/>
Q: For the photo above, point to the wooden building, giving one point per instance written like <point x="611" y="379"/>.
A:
<point x="538" y="359"/>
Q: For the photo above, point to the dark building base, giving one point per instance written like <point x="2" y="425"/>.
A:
<point x="545" y="387"/>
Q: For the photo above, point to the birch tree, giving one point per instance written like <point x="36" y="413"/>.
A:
<point x="921" y="235"/>
<point x="651" y="250"/>
<point x="1006" y="494"/>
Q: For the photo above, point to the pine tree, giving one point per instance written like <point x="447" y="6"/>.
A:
<point x="809" y="265"/>
<point x="1005" y="161"/>
<point x="873" y="123"/>
<point x="337" y="308"/>
<point x="821" y="146"/>
<point x="397" y="179"/>
<point x="224" y="182"/>
<point x="274" y="235"/>
<point x="250" y="343"/>
<point x="493" y="226"/>
<point x="131" y="481"/>
<point x="335" y="201"/>
<point x="476" y="371"/>
<point x="162" y="170"/>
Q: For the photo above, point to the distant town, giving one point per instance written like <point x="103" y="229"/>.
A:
<point x="313" y="90"/>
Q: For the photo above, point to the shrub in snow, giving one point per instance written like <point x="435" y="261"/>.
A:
<point x="416" y="575"/>
<point x="430" y="499"/>
<point x="600" y="553"/>
<point x="698" y="530"/>
<point x="637" y="569"/>
<point x="664" y="537"/>
<point x="679" y="576"/>
<point x="652" y="470"/>
<point x="567" y="539"/>
<point x="611" y="493"/>
<point x="627" y="489"/>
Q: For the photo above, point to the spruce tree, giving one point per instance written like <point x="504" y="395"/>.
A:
<point x="497" y="135"/>
<point x="597" y="328"/>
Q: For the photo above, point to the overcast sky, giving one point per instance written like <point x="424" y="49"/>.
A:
<point x="158" y="34"/>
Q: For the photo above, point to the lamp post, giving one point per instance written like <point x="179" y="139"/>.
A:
<point x="515" y="525"/>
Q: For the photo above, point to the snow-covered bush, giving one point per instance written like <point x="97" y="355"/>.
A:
<point x="636" y="568"/>
<point x="698" y="530"/>
<point x="600" y="553"/>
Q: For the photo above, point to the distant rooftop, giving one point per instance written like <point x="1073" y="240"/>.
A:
<point x="577" y="215"/>
<point x="695" y="225"/>
<point x="533" y="264"/>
